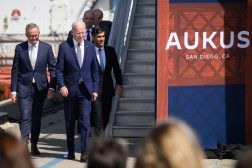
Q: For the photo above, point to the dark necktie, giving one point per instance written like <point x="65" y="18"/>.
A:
<point x="101" y="59"/>
<point x="88" y="35"/>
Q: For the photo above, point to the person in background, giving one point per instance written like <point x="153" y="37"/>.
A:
<point x="107" y="153"/>
<point x="88" y="19"/>
<point x="29" y="84"/>
<point x="77" y="77"/>
<point x="107" y="61"/>
<point x="13" y="152"/>
<point x="98" y="16"/>
<point x="170" y="145"/>
<point x="104" y="24"/>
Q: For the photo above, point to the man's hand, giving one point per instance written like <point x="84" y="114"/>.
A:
<point x="64" y="91"/>
<point x="94" y="97"/>
<point x="14" y="98"/>
<point x="50" y="94"/>
<point x="119" y="90"/>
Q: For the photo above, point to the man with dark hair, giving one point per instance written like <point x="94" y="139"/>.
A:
<point x="104" y="24"/>
<point x="107" y="61"/>
<point x="29" y="82"/>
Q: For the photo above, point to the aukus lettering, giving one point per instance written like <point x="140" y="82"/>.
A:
<point x="207" y="40"/>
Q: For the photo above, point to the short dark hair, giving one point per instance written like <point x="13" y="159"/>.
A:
<point x="96" y="30"/>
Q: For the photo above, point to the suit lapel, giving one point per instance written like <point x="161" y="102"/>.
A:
<point x="106" y="56"/>
<point x="73" y="52"/>
<point x="85" y="54"/>
<point x="40" y="49"/>
<point x="26" y="55"/>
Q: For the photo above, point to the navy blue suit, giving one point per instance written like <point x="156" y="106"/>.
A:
<point x="78" y="101"/>
<point x="31" y="95"/>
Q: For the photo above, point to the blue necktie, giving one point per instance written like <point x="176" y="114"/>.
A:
<point x="88" y="35"/>
<point x="101" y="59"/>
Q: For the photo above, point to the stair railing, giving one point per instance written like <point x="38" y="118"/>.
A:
<point x="119" y="39"/>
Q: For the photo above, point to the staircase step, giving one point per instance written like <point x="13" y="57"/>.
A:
<point x="131" y="131"/>
<point x="144" y="19"/>
<point x="135" y="118"/>
<point x="143" y="31"/>
<point x="145" y="8"/>
<point x="147" y="67"/>
<point x="142" y="43"/>
<point x="136" y="104"/>
<point x="131" y="91"/>
<point x="139" y="79"/>
<point x="141" y="55"/>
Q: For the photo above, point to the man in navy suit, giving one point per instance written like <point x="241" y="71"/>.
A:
<point x="29" y="84"/>
<point x="77" y="77"/>
<point x="107" y="61"/>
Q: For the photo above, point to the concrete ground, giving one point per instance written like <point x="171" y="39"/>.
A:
<point x="53" y="150"/>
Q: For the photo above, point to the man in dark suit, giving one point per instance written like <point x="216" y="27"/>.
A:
<point x="107" y="61"/>
<point x="77" y="77"/>
<point x="88" y="19"/>
<point x="29" y="82"/>
<point x="104" y="24"/>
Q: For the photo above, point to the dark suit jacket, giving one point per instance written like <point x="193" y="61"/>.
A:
<point x="106" y="82"/>
<point x="69" y="72"/>
<point x="22" y="72"/>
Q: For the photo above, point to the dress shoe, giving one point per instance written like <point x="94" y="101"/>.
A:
<point x="84" y="157"/>
<point x="34" y="150"/>
<point x="70" y="156"/>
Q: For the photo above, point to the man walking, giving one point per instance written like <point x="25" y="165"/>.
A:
<point x="29" y="84"/>
<point x="107" y="61"/>
<point x="77" y="78"/>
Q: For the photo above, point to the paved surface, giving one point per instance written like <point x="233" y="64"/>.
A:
<point x="52" y="146"/>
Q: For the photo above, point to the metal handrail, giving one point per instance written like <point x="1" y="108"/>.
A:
<point x="119" y="39"/>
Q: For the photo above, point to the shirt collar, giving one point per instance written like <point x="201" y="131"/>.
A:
<point x="97" y="49"/>
<point x="30" y="45"/>
<point x="76" y="43"/>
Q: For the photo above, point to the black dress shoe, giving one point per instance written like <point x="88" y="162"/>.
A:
<point x="34" y="150"/>
<point x="84" y="157"/>
<point x="70" y="156"/>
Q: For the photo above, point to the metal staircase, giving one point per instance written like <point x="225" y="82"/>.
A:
<point x="134" y="112"/>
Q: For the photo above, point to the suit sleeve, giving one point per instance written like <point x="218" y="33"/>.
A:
<point x="116" y="68"/>
<point x="14" y="70"/>
<point x="60" y="67"/>
<point x="51" y="67"/>
<point x="94" y="71"/>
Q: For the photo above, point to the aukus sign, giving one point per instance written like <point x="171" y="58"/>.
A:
<point x="240" y="39"/>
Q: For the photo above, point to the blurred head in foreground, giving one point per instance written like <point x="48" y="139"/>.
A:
<point x="170" y="145"/>
<point x="107" y="153"/>
<point x="245" y="160"/>
<point x="13" y="152"/>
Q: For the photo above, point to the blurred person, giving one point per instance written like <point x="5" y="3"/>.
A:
<point x="245" y="159"/>
<point x="29" y="84"/>
<point x="13" y="152"/>
<point x="170" y="145"/>
<point x="107" y="153"/>
<point x="107" y="63"/>
<point x="88" y="19"/>
<point x="98" y="16"/>
<point x="77" y="77"/>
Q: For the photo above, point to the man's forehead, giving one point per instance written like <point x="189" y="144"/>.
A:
<point x="88" y="15"/>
